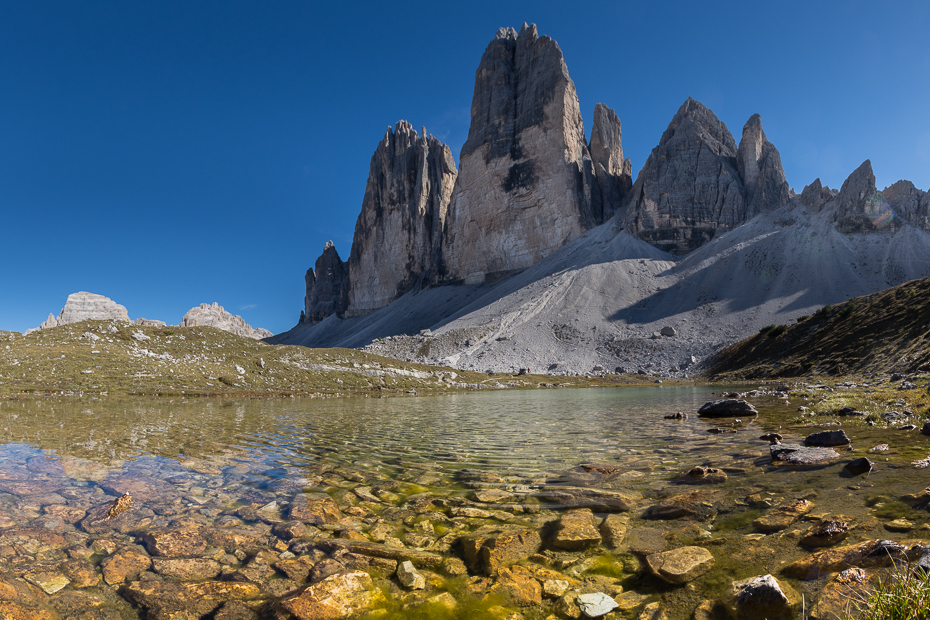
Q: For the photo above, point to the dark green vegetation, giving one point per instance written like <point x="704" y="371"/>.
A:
<point x="117" y="358"/>
<point x="905" y="595"/>
<point x="886" y="332"/>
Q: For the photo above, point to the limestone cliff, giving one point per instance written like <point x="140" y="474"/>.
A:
<point x="816" y="195"/>
<point x="214" y="315"/>
<point x="759" y="166"/>
<point x="689" y="187"/>
<point x="327" y="284"/>
<point x="398" y="231"/>
<point x="909" y="203"/>
<point x="859" y="207"/>
<point x="84" y="306"/>
<point x="526" y="183"/>
<point x="614" y="174"/>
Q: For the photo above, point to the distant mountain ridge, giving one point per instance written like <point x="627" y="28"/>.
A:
<point x="530" y="186"/>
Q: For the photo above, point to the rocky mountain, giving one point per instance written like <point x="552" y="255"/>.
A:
<point x="696" y="183"/>
<point x="83" y="306"/>
<point x="214" y="315"/>
<point x="706" y="247"/>
<point x="396" y="243"/>
<point x="613" y="172"/>
<point x="526" y="183"/>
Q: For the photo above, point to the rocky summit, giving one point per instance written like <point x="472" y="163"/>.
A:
<point x="551" y="258"/>
<point x="214" y="315"/>
<point x="84" y="306"/>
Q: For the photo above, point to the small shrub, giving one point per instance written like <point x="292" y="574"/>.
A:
<point x="777" y="330"/>
<point x="823" y="311"/>
<point x="766" y="329"/>
<point x="802" y="318"/>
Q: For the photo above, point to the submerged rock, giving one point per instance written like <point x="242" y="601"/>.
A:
<point x="783" y="516"/>
<point x="825" y="534"/>
<point x="341" y="595"/>
<point x="576" y="531"/>
<point x="792" y="454"/>
<point x="864" y="555"/>
<point x="859" y="466"/>
<point x="680" y="565"/>
<point x="827" y="439"/>
<point x="762" y="597"/>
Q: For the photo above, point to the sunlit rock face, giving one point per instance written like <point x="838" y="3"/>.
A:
<point x="613" y="172"/>
<point x="526" y="183"/>
<point x="214" y="315"/>
<point x="398" y="231"/>
<point x="690" y="185"/>
<point x="84" y="306"/>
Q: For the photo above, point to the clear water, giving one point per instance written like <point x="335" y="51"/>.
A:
<point x="525" y="442"/>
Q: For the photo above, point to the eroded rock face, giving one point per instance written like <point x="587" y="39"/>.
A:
<point x="759" y="165"/>
<point x="526" y="183"/>
<point x="397" y="234"/>
<point x="614" y="174"/>
<point x="909" y="203"/>
<point x="327" y="286"/>
<point x="690" y="186"/>
<point x="214" y="315"/>
<point x="84" y="306"/>
<point x="858" y="206"/>
<point x="815" y="195"/>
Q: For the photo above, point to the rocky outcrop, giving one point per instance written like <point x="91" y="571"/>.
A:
<point x="815" y="195"/>
<point x="759" y="166"/>
<point x="214" y="315"/>
<point x="909" y="203"/>
<point x="327" y="284"/>
<point x="859" y="207"/>
<point x="84" y="306"/>
<point x="690" y="187"/>
<point x="398" y="231"/>
<point x="614" y="174"/>
<point x="526" y="183"/>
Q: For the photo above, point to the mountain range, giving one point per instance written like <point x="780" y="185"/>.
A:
<point x="539" y="251"/>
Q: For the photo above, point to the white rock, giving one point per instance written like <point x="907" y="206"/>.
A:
<point x="214" y="315"/>
<point x="596" y="605"/>
<point x="140" y="336"/>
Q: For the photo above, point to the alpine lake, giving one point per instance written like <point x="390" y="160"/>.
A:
<point x="507" y="504"/>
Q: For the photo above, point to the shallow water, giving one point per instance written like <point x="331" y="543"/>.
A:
<point x="202" y="461"/>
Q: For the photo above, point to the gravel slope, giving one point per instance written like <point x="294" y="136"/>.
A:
<point x="600" y="303"/>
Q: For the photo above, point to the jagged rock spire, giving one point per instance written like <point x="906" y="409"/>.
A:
<point x="397" y="235"/>
<point x="326" y="283"/>
<point x="759" y="166"/>
<point x="526" y="182"/>
<point x="614" y="174"/>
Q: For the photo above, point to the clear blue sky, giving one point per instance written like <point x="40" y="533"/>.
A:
<point x="171" y="153"/>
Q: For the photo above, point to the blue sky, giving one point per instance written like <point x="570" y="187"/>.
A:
<point x="170" y="153"/>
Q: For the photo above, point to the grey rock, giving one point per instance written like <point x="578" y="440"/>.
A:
<point x="614" y="174"/>
<point x="214" y="315"/>
<point x="398" y="232"/>
<point x="596" y="604"/>
<point x="526" y="183"/>
<point x="815" y="195"/>
<point x="759" y="165"/>
<point x="859" y="207"/>
<point x="149" y="323"/>
<point x="926" y="428"/>
<point x="689" y="188"/>
<point x="827" y="439"/>
<point x="909" y="203"/>
<point x="761" y="597"/>
<point x="668" y="331"/>
<point x="84" y="306"/>
<point x="327" y="286"/>
<point x="727" y="408"/>
<point x="793" y="454"/>
<point x="859" y="466"/>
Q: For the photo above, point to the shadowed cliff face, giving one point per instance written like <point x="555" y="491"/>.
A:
<point x="397" y="234"/>
<point x="614" y="174"/>
<point x="526" y="183"/>
<point x="326" y="284"/>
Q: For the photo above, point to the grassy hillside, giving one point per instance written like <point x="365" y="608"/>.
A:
<point x="111" y="357"/>
<point x="886" y="332"/>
